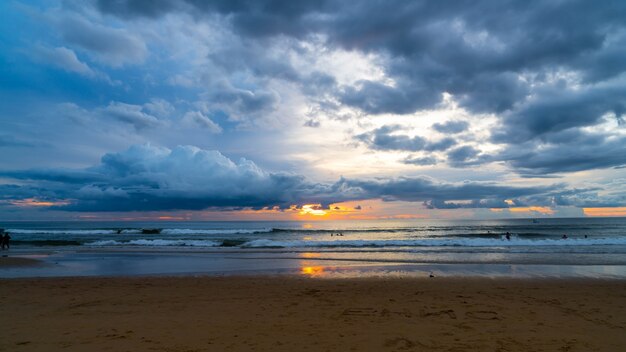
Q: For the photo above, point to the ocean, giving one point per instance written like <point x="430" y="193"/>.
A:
<point x="592" y="246"/>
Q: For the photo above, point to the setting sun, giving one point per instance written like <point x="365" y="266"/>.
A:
<point x="313" y="209"/>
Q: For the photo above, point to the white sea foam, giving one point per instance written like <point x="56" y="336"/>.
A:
<point x="456" y="242"/>
<point x="214" y="231"/>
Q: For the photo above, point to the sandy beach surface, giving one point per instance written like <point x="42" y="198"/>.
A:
<point x="9" y="262"/>
<point x="286" y="313"/>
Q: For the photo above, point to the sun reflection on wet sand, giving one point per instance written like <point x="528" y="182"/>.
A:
<point x="316" y="270"/>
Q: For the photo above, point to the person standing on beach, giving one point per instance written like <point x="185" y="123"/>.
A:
<point x="5" y="240"/>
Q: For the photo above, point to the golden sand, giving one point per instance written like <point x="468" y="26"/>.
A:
<point x="303" y="314"/>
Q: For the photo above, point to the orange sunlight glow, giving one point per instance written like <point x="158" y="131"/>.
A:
<point x="313" y="209"/>
<point x="542" y="210"/>
<point x="33" y="202"/>
<point x="615" y="211"/>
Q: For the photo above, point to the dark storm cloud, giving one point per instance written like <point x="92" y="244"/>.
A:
<point x="438" y="195"/>
<point x="252" y="18"/>
<point x="555" y="110"/>
<point x="463" y="153"/>
<point x="151" y="178"/>
<point x="383" y="139"/>
<point x="475" y="50"/>
<point x="67" y="176"/>
<point x="440" y="145"/>
<point x="542" y="67"/>
<point x="466" y="155"/>
<point x="581" y="153"/>
<point x="378" y="98"/>
<point x="387" y="138"/>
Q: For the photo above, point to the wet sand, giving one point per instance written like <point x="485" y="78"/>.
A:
<point x="10" y="262"/>
<point x="284" y="313"/>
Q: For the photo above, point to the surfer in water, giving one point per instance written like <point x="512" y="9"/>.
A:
<point x="508" y="236"/>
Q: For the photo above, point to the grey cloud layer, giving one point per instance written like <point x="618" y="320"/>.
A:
<point x="388" y="138"/>
<point x="149" y="178"/>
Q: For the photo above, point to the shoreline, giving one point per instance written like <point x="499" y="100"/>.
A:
<point x="286" y="313"/>
<point x="142" y="263"/>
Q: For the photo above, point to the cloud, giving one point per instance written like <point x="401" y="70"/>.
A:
<point x="111" y="46"/>
<point x="129" y="113"/>
<point x="451" y="127"/>
<point x="441" y="145"/>
<point x="152" y="178"/>
<point x="383" y="139"/>
<point x="539" y="68"/>
<point x="63" y="58"/>
<point x="159" y="107"/>
<point x="386" y="138"/>
<point x="12" y="141"/>
<point x="463" y="153"/>
<point x="146" y="177"/>
<point x="240" y="103"/>
<point x="423" y="161"/>
<point x="66" y="59"/>
<point x="312" y="123"/>
<point x="573" y="151"/>
<point x="440" y="194"/>
<point x="467" y="155"/>
<point x="197" y="118"/>
<point x="474" y="51"/>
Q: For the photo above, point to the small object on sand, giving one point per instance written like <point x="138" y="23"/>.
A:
<point x="431" y="275"/>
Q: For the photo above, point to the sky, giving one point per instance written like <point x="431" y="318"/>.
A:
<point x="283" y="110"/>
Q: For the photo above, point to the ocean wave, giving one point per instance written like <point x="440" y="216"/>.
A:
<point x="73" y="232"/>
<point x="157" y="243"/>
<point x="214" y="231"/>
<point x="454" y="242"/>
<point x="85" y="232"/>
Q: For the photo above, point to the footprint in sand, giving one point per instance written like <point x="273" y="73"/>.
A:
<point x="483" y="315"/>
<point x="364" y="312"/>
<point x="449" y="312"/>
<point x="400" y="343"/>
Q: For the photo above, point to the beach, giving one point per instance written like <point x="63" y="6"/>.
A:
<point x="289" y="313"/>
<point x="237" y="286"/>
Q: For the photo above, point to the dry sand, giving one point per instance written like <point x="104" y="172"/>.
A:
<point x="298" y="314"/>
